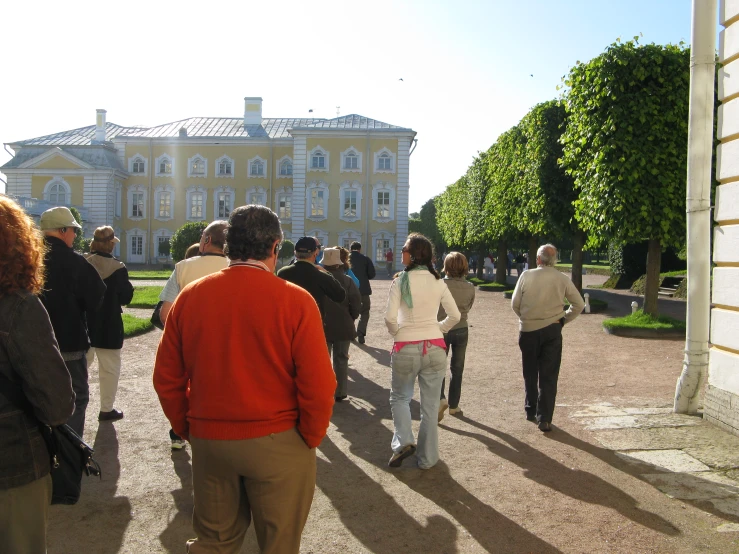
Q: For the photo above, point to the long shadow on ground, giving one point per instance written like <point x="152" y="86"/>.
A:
<point x="344" y="483"/>
<point x="577" y="484"/>
<point x="179" y="529"/>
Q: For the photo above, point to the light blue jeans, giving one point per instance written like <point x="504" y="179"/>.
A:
<point x="430" y="369"/>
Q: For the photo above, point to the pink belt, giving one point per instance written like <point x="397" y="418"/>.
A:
<point x="398" y="346"/>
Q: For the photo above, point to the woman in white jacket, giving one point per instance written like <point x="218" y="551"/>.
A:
<point x="418" y="350"/>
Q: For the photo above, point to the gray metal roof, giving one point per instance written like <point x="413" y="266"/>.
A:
<point x="99" y="157"/>
<point x="352" y="121"/>
<point x="76" y="137"/>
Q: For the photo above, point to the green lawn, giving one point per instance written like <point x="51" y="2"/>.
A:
<point x="475" y="281"/>
<point x="640" y="320"/>
<point x="145" y="297"/>
<point x="155" y="274"/>
<point x="133" y="325"/>
<point x="495" y="287"/>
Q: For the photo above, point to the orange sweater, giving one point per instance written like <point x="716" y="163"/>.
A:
<point x="253" y="349"/>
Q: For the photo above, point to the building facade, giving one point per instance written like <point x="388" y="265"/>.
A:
<point x="721" y="404"/>
<point x="340" y="179"/>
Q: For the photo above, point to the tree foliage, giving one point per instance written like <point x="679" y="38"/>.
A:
<point x="80" y="244"/>
<point x="451" y="213"/>
<point x="186" y="235"/>
<point x="505" y="170"/>
<point x="626" y="140"/>
<point x="428" y="225"/>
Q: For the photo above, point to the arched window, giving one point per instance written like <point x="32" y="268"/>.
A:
<point x="138" y="165"/>
<point x="350" y="161"/>
<point x="58" y="192"/>
<point x="225" y="167"/>
<point x="286" y="168"/>
<point x="256" y="167"/>
<point x="318" y="160"/>
<point x="197" y="166"/>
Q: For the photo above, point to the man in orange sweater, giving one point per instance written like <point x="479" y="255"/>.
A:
<point x="261" y="392"/>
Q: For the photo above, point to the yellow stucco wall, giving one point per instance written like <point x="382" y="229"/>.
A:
<point x="57" y="162"/>
<point x="75" y="182"/>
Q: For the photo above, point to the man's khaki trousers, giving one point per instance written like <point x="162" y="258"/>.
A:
<point x="109" y="370"/>
<point x="23" y="514"/>
<point x="269" y="480"/>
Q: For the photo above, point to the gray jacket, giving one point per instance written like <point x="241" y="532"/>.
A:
<point x="463" y="293"/>
<point x="32" y="369"/>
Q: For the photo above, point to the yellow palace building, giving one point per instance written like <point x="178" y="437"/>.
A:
<point x="341" y="179"/>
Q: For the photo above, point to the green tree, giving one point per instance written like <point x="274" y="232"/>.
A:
<point x="80" y="244"/>
<point x="449" y="207"/>
<point x="429" y="226"/>
<point x="625" y="145"/>
<point x="183" y="237"/>
<point x="287" y="250"/>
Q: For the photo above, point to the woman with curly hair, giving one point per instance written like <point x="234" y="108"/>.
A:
<point x="419" y="349"/>
<point x="35" y="386"/>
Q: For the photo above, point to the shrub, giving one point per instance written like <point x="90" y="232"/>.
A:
<point x="164" y="248"/>
<point x="287" y="251"/>
<point x="186" y="235"/>
<point x="640" y="320"/>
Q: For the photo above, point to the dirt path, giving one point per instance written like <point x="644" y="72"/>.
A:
<point x="501" y="485"/>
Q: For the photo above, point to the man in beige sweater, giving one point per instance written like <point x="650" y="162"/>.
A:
<point x="539" y="305"/>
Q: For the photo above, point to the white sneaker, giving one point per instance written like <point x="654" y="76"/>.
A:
<point x="178" y="444"/>
<point x="456" y="411"/>
<point x="443" y="405"/>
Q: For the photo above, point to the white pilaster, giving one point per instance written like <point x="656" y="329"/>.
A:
<point x="299" y="169"/>
<point x="401" y="199"/>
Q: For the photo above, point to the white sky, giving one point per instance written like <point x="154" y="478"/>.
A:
<point x="466" y="66"/>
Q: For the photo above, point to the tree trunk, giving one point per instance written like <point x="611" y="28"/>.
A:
<point x="578" y="242"/>
<point x="481" y="263"/>
<point x="502" y="262"/>
<point x="533" y="247"/>
<point x="651" y="288"/>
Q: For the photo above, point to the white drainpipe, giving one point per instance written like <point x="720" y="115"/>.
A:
<point x="700" y="141"/>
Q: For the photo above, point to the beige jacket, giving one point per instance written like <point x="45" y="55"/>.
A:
<point x="538" y="298"/>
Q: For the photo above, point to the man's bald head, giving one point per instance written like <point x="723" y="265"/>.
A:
<point x="546" y="255"/>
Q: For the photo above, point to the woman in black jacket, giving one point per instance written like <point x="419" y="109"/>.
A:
<point x="105" y="324"/>
<point x="35" y="386"/>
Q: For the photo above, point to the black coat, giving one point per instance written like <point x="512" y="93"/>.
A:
<point x="340" y="316"/>
<point x="72" y="289"/>
<point x="105" y="325"/>
<point x="317" y="282"/>
<point x="364" y="270"/>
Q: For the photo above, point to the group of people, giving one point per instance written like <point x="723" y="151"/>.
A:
<point x="244" y="368"/>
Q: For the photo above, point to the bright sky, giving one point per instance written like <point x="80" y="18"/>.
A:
<point x="470" y="69"/>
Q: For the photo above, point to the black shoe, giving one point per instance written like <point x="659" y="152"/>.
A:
<point x="545" y="426"/>
<point x="531" y="417"/>
<point x="112" y="415"/>
<point x="339" y="398"/>
<point x="360" y="339"/>
<point x="397" y="458"/>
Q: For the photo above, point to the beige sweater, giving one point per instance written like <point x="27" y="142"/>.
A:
<point x="538" y="299"/>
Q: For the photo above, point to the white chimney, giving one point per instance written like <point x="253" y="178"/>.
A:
<point x="100" y="126"/>
<point x="252" y="110"/>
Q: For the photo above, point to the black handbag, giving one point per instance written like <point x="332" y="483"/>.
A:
<point x="156" y="319"/>
<point x="69" y="455"/>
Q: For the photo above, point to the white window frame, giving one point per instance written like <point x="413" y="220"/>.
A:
<point x="192" y="161"/>
<point x="118" y="206"/>
<point x="382" y="235"/>
<point x="143" y="189"/>
<point x="261" y="160"/>
<point x="159" y="160"/>
<point x="383" y="187"/>
<point x="345" y="154"/>
<point x="256" y="190"/>
<point x="278" y="167"/>
<point x="133" y="159"/>
<point x="320" y="234"/>
<point x="216" y="194"/>
<point x="136" y="232"/>
<point x="286" y="191"/>
<point x="218" y="173"/>
<point x="158" y="191"/>
<point x="316" y="186"/>
<point x="161" y="234"/>
<point x="325" y="153"/>
<point x="188" y="203"/>
<point x="58" y="182"/>
<point x="343" y="189"/>
<point x="350" y="235"/>
<point x="393" y="160"/>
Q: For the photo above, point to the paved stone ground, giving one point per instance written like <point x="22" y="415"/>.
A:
<point x="619" y="473"/>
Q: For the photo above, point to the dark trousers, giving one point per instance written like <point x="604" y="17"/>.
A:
<point x="456" y="340"/>
<point x="339" y="349"/>
<point x="364" y="315"/>
<point x="541" y="353"/>
<point x="78" y="371"/>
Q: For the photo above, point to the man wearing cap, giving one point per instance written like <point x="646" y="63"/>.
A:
<point x="364" y="269"/>
<point x="306" y="274"/>
<point x="73" y="288"/>
<point x="105" y="324"/>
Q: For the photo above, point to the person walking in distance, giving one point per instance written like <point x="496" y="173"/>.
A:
<point x="463" y="292"/>
<point x="418" y="349"/>
<point x="364" y="270"/>
<point x="73" y="289"/>
<point x="35" y="386"/>
<point x="339" y="321"/>
<point x="261" y="392"/>
<point x="204" y="260"/>
<point x="105" y="324"/>
<point x="389" y="261"/>
<point x="537" y="301"/>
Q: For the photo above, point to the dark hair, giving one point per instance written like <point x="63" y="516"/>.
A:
<point x="421" y="251"/>
<point x="21" y="250"/>
<point x="252" y="230"/>
<point x="356" y="245"/>
<point x="217" y="233"/>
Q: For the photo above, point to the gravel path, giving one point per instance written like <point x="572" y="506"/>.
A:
<point x="501" y="485"/>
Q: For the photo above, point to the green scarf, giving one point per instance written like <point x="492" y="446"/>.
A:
<point x="405" y="285"/>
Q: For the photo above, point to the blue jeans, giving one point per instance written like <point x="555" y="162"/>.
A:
<point x="456" y="340"/>
<point x="406" y="365"/>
